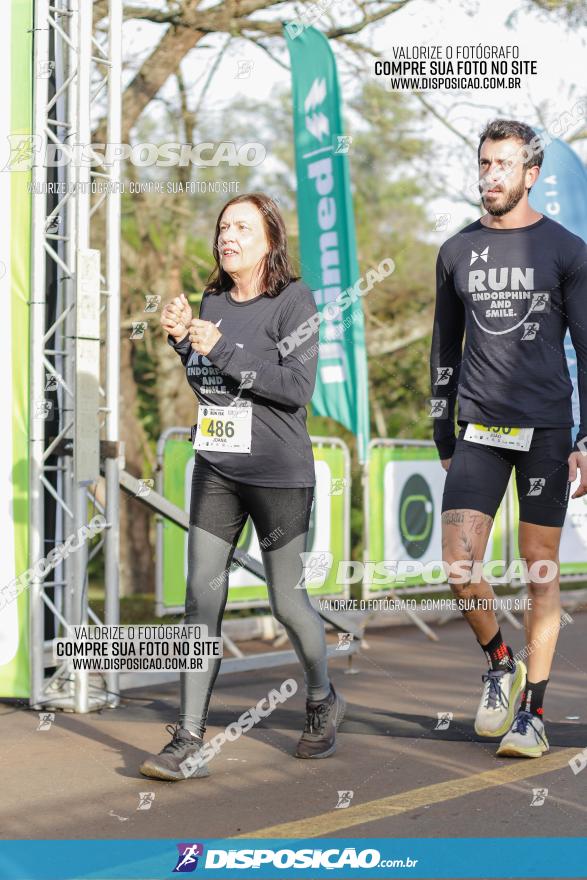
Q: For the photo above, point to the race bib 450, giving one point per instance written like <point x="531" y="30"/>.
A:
<point x="497" y="435"/>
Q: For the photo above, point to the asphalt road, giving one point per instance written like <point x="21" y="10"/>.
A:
<point x="79" y="779"/>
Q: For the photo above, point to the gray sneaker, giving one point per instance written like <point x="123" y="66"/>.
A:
<point x="322" y="720"/>
<point x="498" y="700"/>
<point x="525" y="739"/>
<point x="178" y="759"/>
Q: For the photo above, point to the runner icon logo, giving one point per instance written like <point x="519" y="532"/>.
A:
<point x="530" y="330"/>
<point x="146" y="799"/>
<point x="539" y="795"/>
<point x="187" y="860"/>
<point x="316" y="566"/>
<point x="152" y="302"/>
<point x="438" y="408"/>
<point x="344" y="641"/>
<point x="45" y="720"/>
<point x="444" y="719"/>
<point x="337" y="485"/>
<point x="536" y="485"/>
<point x="344" y="799"/>
<point x="541" y="302"/>
<point x="342" y="143"/>
<point x="443" y="375"/>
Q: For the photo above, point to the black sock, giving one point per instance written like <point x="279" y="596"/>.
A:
<point x="498" y="653"/>
<point x="533" y="697"/>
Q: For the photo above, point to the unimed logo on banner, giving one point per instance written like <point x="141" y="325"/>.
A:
<point x="188" y="854"/>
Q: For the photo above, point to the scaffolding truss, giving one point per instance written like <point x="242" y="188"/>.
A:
<point x="75" y="327"/>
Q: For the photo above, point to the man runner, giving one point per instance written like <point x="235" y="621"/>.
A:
<point x="510" y="283"/>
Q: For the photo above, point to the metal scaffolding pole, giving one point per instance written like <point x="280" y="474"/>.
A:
<point x="69" y="42"/>
<point x="80" y="504"/>
<point x="112" y="432"/>
<point x="37" y="373"/>
<point x="63" y="35"/>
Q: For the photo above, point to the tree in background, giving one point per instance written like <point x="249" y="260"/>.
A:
<point x="166" y="238"/>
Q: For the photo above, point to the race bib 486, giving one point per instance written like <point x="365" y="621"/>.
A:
<point x="224" y="428"/>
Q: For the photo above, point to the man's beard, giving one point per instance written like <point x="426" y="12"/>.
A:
<point x="512" y="199"/>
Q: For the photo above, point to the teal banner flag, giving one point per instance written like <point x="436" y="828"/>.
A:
<point x="561" y="194"/>
<point x="328" y="251"/>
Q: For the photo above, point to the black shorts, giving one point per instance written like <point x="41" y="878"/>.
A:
<point x="478" y="477"/>
<point x="221" y="506"/>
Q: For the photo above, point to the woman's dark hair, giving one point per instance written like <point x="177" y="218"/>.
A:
<point x="276" y="272"/>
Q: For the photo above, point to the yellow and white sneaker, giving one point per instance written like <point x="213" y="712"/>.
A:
<point x="525" y="739"/>
<point x="498" y="700"/>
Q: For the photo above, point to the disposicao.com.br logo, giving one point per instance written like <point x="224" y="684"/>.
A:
<point x="326" y="859"/>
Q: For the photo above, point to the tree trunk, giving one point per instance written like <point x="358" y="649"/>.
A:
<point x="163" y="61"/>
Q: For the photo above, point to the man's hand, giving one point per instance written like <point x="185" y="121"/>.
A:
<point x="578" y="460"/>
<point x="176" y="317"/>
<point x="445" y="462"/>
<point x="203" y="335"/>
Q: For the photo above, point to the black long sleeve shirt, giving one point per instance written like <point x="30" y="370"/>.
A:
<point x="282" y="384"/>
<point x="512" y="294"/>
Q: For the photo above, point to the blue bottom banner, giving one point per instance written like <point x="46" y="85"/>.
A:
<point x="554" y="857"/>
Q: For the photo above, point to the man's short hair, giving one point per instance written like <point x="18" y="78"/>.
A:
<point x="500" y="129"/>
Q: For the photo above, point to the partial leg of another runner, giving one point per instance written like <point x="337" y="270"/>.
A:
<point x="543" y="491"/>
<point x="465" y="534"/>
<point x="475" y="484"/>
<point x="542" y="623"/>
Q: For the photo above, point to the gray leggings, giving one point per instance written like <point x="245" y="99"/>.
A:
<point x="218" y="513"/>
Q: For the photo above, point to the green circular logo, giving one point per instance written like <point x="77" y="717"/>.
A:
<point x="416" y="516"/>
